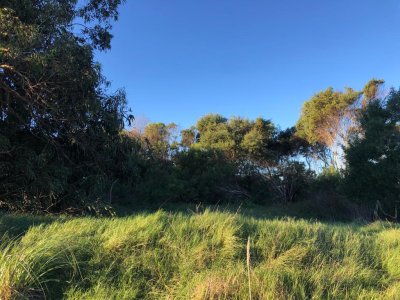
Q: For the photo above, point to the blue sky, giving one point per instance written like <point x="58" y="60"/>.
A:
<point x="181" y="59"/>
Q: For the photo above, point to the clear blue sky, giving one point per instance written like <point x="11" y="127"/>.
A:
<point x="181" y="59"/>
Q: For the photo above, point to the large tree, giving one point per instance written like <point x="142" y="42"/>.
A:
<point x="240" y="139"/>
<point x="330" y="116"/>
<point x="213" y="133"/>
<point x="57" y="120"/>
<point x="373" y="158"/>
<point x="324" y="119"/>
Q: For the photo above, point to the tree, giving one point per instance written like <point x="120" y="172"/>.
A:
<point x="288" y="179"/>
<point x="373" y="158"/>
<point x="279" y="164"/>
<point x="371" y="90"/>
<point x="213" y="133"/>
<point x="329" y="118"/>
<point x="326" y="118"/>
<point x="257" y="139"/>
<point x="188" y="137"/>
<point x="238" y="128"/>
<point x="58" y="124"/>
<point x="240" y="139"/>
<point x="160" y="138"/>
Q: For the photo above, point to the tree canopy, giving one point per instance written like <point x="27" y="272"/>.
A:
<point x="57" y="120"/>
<point x="330" y="116"/>
<point x="65" y="146"/>
<point x="373" y="157"/>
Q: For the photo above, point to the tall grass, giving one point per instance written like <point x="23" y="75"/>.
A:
<point x="199" y="256"/>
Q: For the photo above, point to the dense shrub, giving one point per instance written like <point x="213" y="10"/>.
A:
<point x="207" y="176"/>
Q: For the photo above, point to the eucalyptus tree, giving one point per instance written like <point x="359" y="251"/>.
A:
<point x="330" y="116"/>
<point x="188" y="137"/>
<point x="161" y="139"/>
<point x="57" y="119"/>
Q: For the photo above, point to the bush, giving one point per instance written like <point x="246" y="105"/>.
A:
<point x="206" y="176"/>
<point x="289" y="181"/>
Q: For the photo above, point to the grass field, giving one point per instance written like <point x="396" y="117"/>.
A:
<point x="203" y="255"/>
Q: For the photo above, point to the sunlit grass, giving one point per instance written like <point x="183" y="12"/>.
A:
<point x="198" y="256"/>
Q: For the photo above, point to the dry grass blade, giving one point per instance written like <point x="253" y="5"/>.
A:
<point x="248" y="265"/>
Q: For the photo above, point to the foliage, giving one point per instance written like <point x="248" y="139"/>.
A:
<point x="330" y="117"/>
<point x="254" y="158"/>
<point x="255" y="142"/>
<point x="238" y="138"/>
<point x="64" y="146"/>
<point x="160" y="139"/>
<point x="200" y="256"/>
<point x="324" y="121"/>
<point x="59" y="128"/>
<point x="207" y="176"/>
<point x="329" y="180"/>
<point x="371" y="90"/>
<point x="214" y="133"/>
<point x="373" y="158"/>
<point x="192" y="176"/>
<point x="157" y="183"/>
<point x="188" y="137"/>
<point x="289" y="180"/>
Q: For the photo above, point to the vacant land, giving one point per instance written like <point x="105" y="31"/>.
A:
<point x="196" y="256"/>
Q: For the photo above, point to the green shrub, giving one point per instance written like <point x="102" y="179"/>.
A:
<point x="207" y="175"/>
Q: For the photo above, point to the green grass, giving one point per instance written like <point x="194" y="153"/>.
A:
<point x="196" y="256"/>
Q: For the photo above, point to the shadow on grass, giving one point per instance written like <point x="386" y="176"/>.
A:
<point x="327" y="210"/>
<point x="14" y="225"/>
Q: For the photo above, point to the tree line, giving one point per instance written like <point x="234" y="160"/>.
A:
<point x="64" y="146"/>
<point x="344" y="144"/>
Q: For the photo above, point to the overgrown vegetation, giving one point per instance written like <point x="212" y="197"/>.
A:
<point x="65" y="146"/>
<point x="345" y="148"/>
<point x="373" y="158"/>
<point x="60" y="141"/>
<point x="68" y="147"/>
<point x="198" y="256"/>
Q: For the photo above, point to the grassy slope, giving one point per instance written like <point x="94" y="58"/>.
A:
<point x="199" y="256"/>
